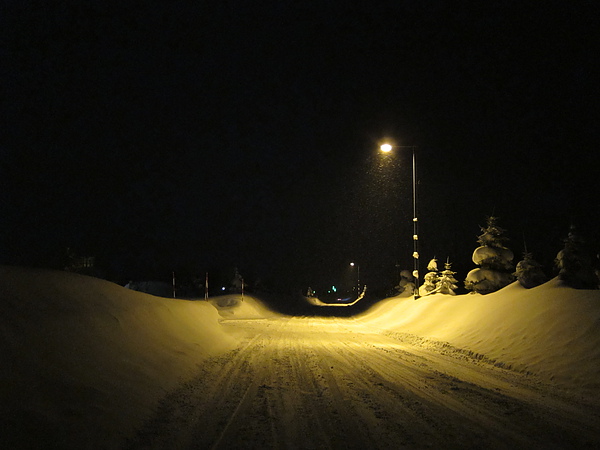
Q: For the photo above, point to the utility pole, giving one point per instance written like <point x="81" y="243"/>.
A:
<point x="206" y="287"/>
<point x="173" y="284"/>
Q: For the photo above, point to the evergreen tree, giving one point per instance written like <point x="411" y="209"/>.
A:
<point x="430" y="278"/>
<point x="447" y="282"/>
<point x="529" y="272"/>
<point x="237" y="282"/>
<point x="494" y="259"/>
<point x="575" y="263"/>
<point x="406" y="284"/>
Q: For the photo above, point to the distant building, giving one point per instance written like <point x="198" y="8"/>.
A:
<point x="80" y="264"/>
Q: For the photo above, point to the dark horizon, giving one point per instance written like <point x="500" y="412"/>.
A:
<point x="160" y="137"/>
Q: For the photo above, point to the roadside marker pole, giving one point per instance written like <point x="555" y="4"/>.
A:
<point x="206" y="288"/>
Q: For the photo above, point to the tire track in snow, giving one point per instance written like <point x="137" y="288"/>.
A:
<point x="192" y="416"/>
<point x="495" y="416"/>
<point x="322" y="383"/>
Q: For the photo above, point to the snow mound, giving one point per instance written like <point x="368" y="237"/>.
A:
<point x="238" y="307"/>
<point x="84" y="360"/>
<point x="488" y="280"/>
<point x="550" y="330"/>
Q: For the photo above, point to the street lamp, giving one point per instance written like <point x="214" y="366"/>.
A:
<point x="386" y="148"/>
<point x="357" y="277"/>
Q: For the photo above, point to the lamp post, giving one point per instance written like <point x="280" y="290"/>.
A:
<point x="386" y="148"/>
<point x="357" y="277"/>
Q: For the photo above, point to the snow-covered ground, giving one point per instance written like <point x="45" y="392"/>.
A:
<point x="550" y="330"/>
<point x="88" y="364"/>
<point x="84" y="361"/>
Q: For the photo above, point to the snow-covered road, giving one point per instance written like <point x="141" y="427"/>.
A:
<point x="313" y="383"/>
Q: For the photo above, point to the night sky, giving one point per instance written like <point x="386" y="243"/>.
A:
<point x="203" y="136"/>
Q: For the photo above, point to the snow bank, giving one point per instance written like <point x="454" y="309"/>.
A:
<point x="550" y="330"/>
<point x="237" y="307"/>
<point x="84" y="361"/>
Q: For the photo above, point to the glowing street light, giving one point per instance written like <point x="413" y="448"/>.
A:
<point x="357" y="277"/>
<point x="387" y="148"/>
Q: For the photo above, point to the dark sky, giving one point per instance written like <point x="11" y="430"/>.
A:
<point x="161" y="135"/>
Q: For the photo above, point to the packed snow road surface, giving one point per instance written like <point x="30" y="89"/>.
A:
<point x="318" y="383"/>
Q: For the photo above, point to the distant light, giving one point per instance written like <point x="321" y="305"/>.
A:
<point x="352" y="264"/>
<point x="223" y="288"/>
<point x="386" y="148"/>
<point x="333" y="288"/>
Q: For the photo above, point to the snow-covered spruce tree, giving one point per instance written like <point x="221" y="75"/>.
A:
<point x="494" y="259"/>
<point x="237" y="283"/>
<point x="447" y="282"/>
<point x="406" y="285"/>
<point x="430" y="278"/>
<point x="575" y="263"/>
<point x="529" y="272"/>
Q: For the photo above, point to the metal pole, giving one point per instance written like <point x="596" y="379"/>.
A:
<point x="173" y="284"/>
<point x="415" y="226"/>
<point x="206" y="287"/>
